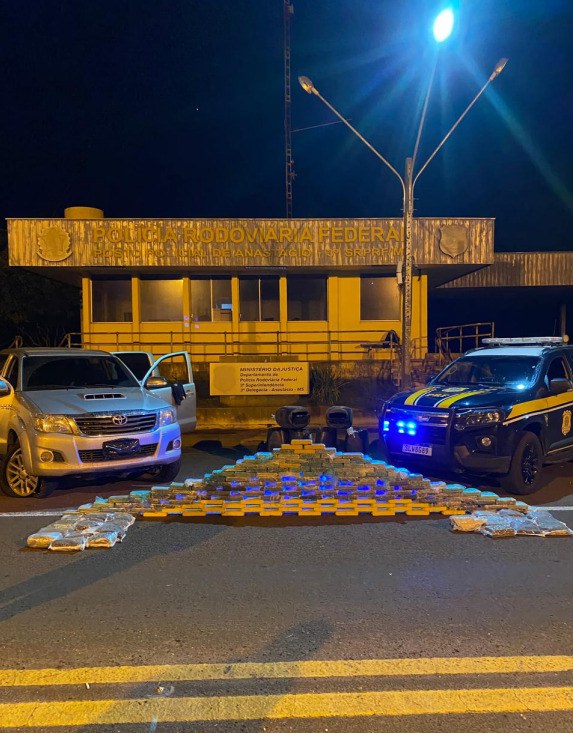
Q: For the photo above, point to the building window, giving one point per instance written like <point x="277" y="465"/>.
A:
<point x="306" y="298"/>
<point x="111" y="301"/>
<point x="211" y="300"/>
<point x="161" y="300"/>
<point x="379" y="299"/>
<point x="259" y="299"/>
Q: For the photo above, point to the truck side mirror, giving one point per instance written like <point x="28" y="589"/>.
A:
<point x="559" y="386"/>
<point x="5" y="388"/>
<point x="156" y="383"/>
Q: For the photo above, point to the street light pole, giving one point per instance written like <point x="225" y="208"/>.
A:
<point x="408" y="226"/>
<point x="408" y="183"/>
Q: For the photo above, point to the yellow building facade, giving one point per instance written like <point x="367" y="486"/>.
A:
<point x="246" y="289"/>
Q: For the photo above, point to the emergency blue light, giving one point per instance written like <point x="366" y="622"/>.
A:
<point x="386" y="426"/>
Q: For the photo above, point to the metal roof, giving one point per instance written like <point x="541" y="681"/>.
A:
<point x="521" y="269"/>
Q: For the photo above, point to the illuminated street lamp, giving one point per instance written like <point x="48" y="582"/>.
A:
<point x="443" y="25"/>
<point x="408" y="182"/>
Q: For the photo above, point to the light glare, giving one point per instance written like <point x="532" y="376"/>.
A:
<point x="444" y="25"/>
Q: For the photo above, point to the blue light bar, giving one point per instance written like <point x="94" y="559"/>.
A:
<point x="386" y="425"/>
<point x="400" y="423"/>
<point x="411" y="426"/>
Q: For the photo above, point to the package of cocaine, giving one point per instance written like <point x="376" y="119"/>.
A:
<point x="75" y="531"/>
<point x="511" y="523"/>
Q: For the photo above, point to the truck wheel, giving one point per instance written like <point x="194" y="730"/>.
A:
<point x="17" y="482"/>
<point x="166" y="473"/>
<point x="524" y="475"/>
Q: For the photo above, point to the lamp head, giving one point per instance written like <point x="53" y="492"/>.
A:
<point x="307" y="84"/>
<point x="499" y="67"/>
<point x="443" y="25"/>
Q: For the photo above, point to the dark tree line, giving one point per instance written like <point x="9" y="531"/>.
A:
<point x="38" y="309"/>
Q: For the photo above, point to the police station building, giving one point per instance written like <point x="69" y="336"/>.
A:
<point x="251" y="289"/>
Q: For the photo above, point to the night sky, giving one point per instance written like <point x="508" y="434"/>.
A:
<point x="174" y="108"/>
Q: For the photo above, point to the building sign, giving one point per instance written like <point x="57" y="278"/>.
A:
<point x="259" y="378"/>
<point x="237" y="243"/>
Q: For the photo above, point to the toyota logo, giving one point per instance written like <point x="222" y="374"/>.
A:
<point x="119" y="419"/>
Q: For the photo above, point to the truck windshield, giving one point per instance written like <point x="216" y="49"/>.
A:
<point x="77" y="371"/>
<point x="137" y="361"/>
<point x="501" y="371"/>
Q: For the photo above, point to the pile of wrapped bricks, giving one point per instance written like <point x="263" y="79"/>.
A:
<point x="306" y="479"/>
<point x="510" y="523"/>
<point x="302" y="479"/>
<point x="75" y="531"/>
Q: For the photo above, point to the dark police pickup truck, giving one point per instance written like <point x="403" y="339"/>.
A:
<point x="501" y="410"/>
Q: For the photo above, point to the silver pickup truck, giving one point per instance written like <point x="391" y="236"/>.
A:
<point x="77" y="412"/>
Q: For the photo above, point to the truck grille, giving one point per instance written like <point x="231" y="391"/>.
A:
<point x="95" y="456"/>
<point x="116" y="423"/>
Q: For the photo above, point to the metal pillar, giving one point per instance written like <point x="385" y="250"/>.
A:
<point x="405" y="381"/>
<point x="289" y="163"/>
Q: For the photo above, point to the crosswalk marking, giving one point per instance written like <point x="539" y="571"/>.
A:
<point x="259" y="707"/>
<point x="285" y="670"/>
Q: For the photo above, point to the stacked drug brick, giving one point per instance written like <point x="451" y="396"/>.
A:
<point x="75" y="531"/>
<point x="306" y="479"/>
<point x="510" y="523"/>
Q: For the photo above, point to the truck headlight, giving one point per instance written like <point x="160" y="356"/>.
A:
<point x="54" y="424"/>
<point x="167" y="417"/>
<point x="477" y="418"/>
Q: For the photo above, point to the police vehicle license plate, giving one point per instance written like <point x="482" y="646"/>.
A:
<point x="419" y="450"/>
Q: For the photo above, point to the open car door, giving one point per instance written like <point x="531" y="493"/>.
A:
<point x="137" y="361"/>
<point x="180" y="389"/>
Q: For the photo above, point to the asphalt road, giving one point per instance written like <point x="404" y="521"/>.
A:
<point x="213" y="625"/>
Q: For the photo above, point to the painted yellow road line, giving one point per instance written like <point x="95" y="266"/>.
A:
<point x="285" y="670"/>
<point x="260" y="707"/>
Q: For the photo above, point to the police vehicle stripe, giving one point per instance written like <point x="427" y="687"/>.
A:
<point x="534" y="413"/>
<point x="412" y="399"/>
<point x="451" y="400"/>
<point x="537" y="407"/>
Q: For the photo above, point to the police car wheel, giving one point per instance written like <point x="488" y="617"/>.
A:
<point x="524" y="475"/>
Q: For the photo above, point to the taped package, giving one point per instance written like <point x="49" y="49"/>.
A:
<point x="104" y="538"/>
<point x="70" y="543"/>
<point x="499" y="526"/>
<point x="75" y="531"/>
<point x="43" y="538"/>
<point x="511" y="523"/>
<point x="466" y="523"/>
<point x="548" y="525"/>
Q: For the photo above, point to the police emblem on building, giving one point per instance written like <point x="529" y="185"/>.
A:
<point x="54" y="244"/>
<point x="566" y="424"/>
<point x="453" y="240"/>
